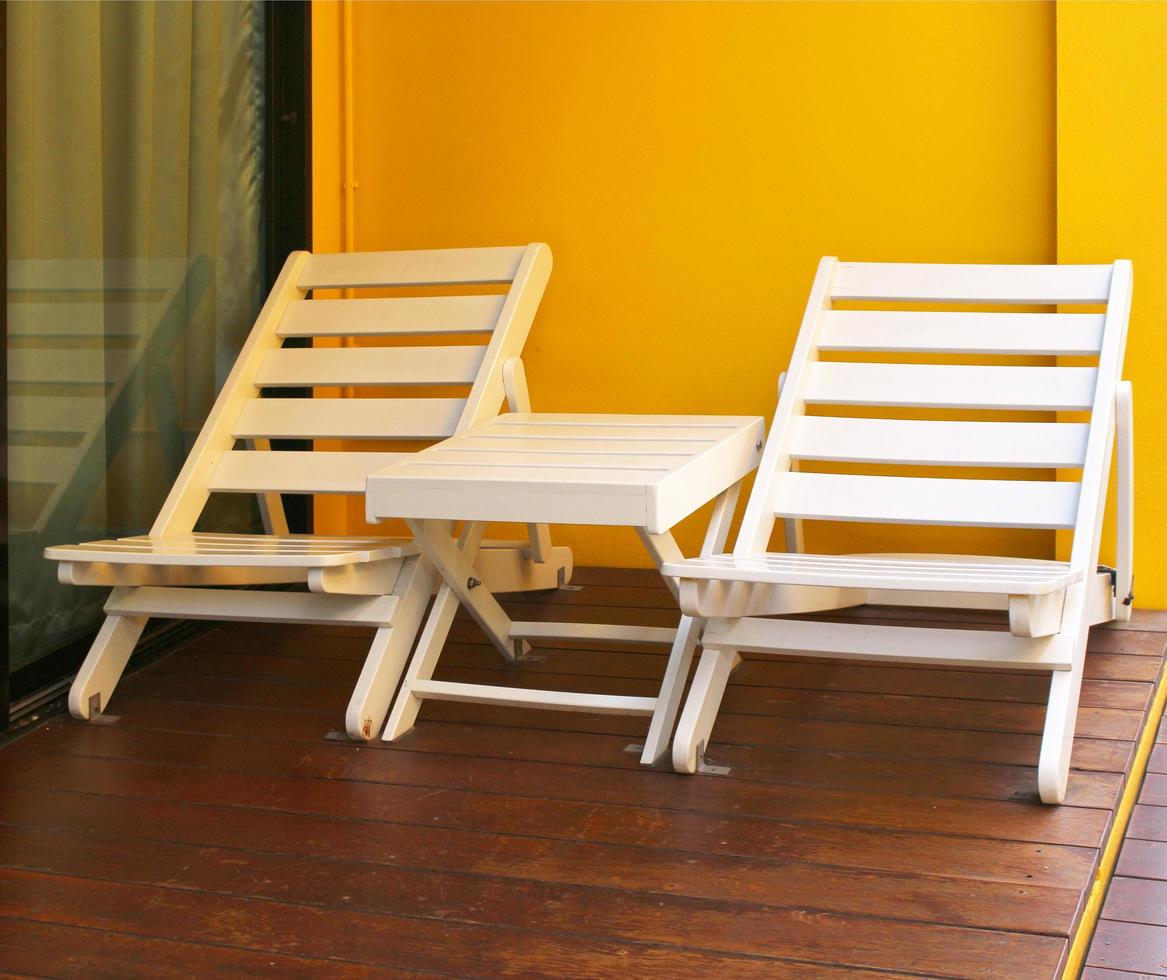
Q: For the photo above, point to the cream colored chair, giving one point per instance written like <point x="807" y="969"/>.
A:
<point x="177" y="572"/>
<point x="1051" y="604"/>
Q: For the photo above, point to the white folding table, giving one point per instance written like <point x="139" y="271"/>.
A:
<point x="642" y="471"/>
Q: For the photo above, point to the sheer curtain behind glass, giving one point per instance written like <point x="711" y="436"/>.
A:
<point x="134" y="186"/>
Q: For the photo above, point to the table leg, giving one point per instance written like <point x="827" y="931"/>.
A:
<point x="454" y="563"/>
<point x="456" y="566"/>
<point x="662" y="548"/>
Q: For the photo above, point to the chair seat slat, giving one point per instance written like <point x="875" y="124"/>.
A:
<point x="951" y="386"/>
<point x="962" y="333"/>
<point x="348" y="418"/>
<point x="236" y="550"/>
<point x="1037" y="445"/>
<point x="342" y="366"/>
<point x="914" y="500"/>
<point x="386" y="317"/>
<point x="932" y="573"/>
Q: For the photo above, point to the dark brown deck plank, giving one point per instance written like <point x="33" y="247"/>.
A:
<point x="770" y="848"/>
<point x="375" y="939"/>
<point x="1143" y="859"/>
<point x="50" y="949"/>
<point x="1136" y="900"/>
<point x="1148" y="822"/>
<point x="611" y="911"/>
<point x="391" y="782"/>
<point x="1129" y="946"/>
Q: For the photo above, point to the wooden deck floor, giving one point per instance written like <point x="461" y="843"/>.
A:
<point x="878" y="821"/>
<point x="1131" y="939"/>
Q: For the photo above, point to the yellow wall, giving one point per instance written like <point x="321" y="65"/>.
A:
<point x="689" y="164"/>
<point x="1112" y="202"/>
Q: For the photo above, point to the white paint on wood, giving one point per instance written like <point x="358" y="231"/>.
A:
<point x="431" y="267"/>
<point x="962" y="333"/>
<point x="305" y="367"/>
<point x="419" y="315"/>
<point x="951" y="386"/>
<point x="349" y="418"/>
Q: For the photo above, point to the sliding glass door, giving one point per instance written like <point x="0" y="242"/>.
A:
<point x="137" y="239"/>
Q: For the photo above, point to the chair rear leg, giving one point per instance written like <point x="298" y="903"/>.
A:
<point x="103" y="666"/>
<point x="387" y="656"/>
<point x="701" y="707"/>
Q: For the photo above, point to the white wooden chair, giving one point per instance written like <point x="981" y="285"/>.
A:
<point x="865" y="362"/>
<point x="174" y="571"/>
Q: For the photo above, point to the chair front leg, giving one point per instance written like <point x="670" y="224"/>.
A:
<point x="701" y="707"/>
<point x="664" y="548"/>
<point x="107" y="658"/>
<point x="390" y="648"/>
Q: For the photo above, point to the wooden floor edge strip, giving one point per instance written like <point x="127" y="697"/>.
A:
<point x="1084" y="933"/>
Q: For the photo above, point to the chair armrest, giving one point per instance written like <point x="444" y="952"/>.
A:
<point x="514" y="383"/>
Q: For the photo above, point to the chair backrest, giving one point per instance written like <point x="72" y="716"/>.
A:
<point x="977" y="384"/>
<point x="233" y="453"/>
<point x="81" y="332"/>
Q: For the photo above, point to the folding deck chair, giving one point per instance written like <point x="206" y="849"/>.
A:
<point x="174" y="571"/>
<point x="840" y="362"/>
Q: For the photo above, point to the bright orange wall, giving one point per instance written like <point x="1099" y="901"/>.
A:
<point x="1112" y="202"/>
<point x="689" y="163"/>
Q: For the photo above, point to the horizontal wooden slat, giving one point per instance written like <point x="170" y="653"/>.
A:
<point x="912" y="500"/>
<point x="424" y="268"/>
<point x="962" y="333"/>
<point x="40" y="464"/>
<point x="69" y="365"/>
<point x="385" y="317"/>
<point x="297" y="472"/>
<point x="972" y="283"/>
<point x="634" y="431"/>
<point x="349" y="418"/>
<point x="477" y="441"/>
<point x="948" y="573"/>
<point x="239" y="550"/>
<point x="951" y="386"/>
<point x="253" y="607"/>
<point x="636" y="460"/>
<point x="651" y="635"/>
<point x="521" y="697"/>
<point x="1028" y="444"/>
<point x="855" y="641"/>
<point x="307" y="367"/>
